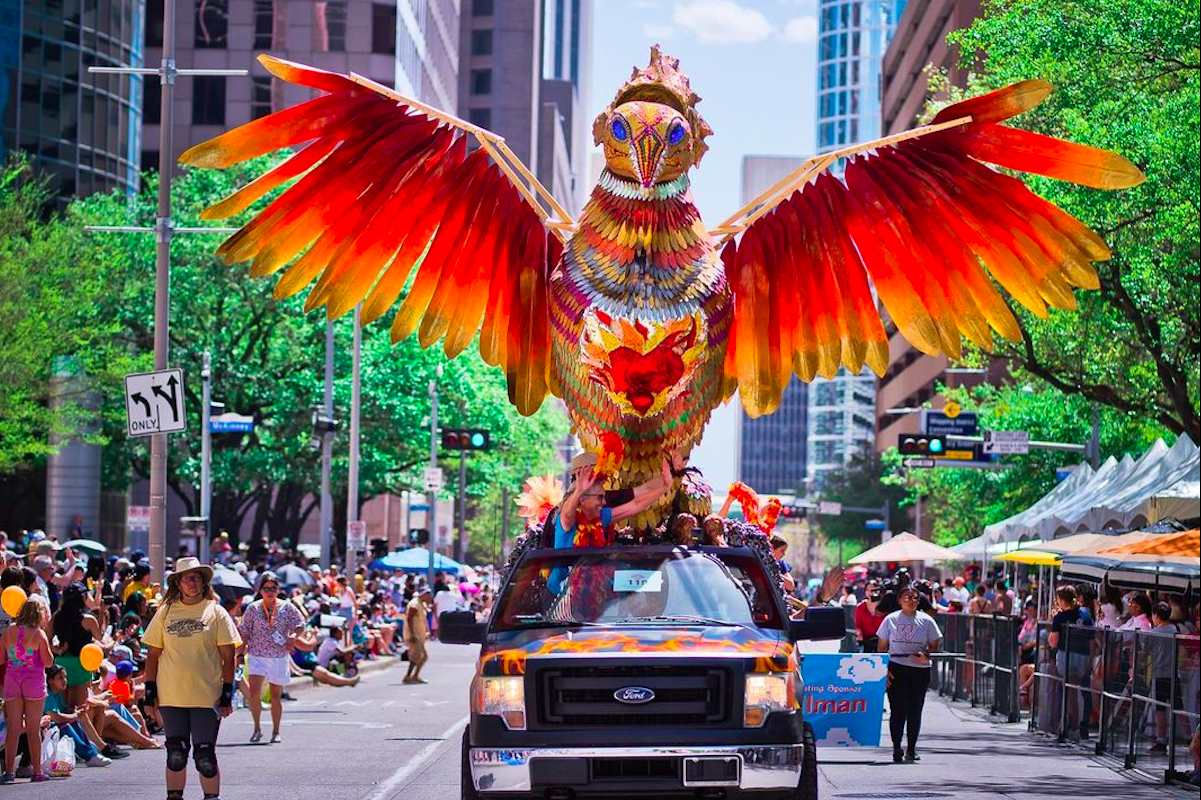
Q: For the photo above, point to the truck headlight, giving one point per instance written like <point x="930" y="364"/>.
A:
<point x="503" y="697"/>
<point x="775" y="691"/>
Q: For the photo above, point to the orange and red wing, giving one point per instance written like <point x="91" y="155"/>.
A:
<point x="932" y="229"/>
<point x="379" y="191"/>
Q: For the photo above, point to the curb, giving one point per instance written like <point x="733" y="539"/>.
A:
<point x="299" y="685"/>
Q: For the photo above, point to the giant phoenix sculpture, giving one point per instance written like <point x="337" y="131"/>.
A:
<point x="640" y="316"/>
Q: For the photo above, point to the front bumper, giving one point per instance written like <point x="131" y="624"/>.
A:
<point x="760" y="767"/>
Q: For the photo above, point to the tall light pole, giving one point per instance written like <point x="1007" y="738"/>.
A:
<point x="327" y="448"/>
<point x="352" y="488"/>
<point x="206" y="453"/>
<point x="431" y="496"/>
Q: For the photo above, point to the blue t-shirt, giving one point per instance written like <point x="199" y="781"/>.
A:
<point x="564" y="538"/>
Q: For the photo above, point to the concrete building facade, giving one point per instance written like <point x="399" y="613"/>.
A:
<point x="524" y="75"/>
<point x="853" y="37"/>
<point x="409" y="44"/>
<point x="772" y="453"/>
<point x="82" y="129"/>
<point x="921" y="39"/>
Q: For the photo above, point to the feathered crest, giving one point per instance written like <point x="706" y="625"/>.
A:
<point x="754" y="509"/>
<point x="540" y="495"/>
<point x="661" y="82"/>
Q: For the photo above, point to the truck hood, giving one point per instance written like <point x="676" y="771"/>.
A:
<point x="506" y="653"/>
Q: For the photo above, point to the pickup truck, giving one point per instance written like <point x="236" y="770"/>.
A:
<point x="667" y="671"/>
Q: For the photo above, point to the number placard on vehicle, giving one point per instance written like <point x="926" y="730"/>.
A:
<point x="637" y="580"/>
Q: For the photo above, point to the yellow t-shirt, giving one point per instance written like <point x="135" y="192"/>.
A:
<point x="189" y="669"/>
<point x="136" y="586"/>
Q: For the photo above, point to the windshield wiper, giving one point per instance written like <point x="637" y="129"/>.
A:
<point x="535" y="623"/>
<point x="689" y="618"/>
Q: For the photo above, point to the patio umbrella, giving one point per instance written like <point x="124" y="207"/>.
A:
<point x="292" y="575"/>
<point x="90" y="546"/>
<point x="1040" y="558"/>
<point x="230" y="584"/>
<point x="906" y="547"/>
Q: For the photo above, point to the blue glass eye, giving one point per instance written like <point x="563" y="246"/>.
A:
<point x="675" y="135"/>
<point x="619" y="130"/>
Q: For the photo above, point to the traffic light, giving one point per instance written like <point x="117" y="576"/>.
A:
<point x="914" y="444"/>
<point x="419" y="536"/>
<point x="465" y="439"/>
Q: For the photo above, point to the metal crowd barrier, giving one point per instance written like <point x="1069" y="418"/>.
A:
<point x="1136" y="692"/>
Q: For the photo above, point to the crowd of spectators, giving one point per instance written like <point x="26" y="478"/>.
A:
<point x="108" y="600"/>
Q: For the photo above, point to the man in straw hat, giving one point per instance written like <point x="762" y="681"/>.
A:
<point x="190" y="673"/>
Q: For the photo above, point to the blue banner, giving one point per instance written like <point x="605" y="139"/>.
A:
<point x="844" y="697"/>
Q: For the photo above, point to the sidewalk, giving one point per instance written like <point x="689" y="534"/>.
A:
<point x="965" y="754"/>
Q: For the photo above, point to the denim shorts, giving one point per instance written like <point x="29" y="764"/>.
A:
<point x="1073" y="666"/>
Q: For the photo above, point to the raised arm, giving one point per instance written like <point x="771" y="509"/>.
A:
<point x="645" y="495"/>
<point x="571" y="503"/>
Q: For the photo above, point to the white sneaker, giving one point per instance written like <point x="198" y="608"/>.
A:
<point x="99" y="761"/>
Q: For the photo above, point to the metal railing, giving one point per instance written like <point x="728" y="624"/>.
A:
<point x="1136" y="692"/>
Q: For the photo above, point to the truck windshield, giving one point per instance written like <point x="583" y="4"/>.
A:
<point x="678" y="586"/>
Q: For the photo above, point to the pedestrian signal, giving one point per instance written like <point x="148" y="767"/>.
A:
<point x="465" y="439"/>
<point x="913" y="444"/>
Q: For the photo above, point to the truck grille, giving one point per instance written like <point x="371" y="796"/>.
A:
<point x="583" y="696"/>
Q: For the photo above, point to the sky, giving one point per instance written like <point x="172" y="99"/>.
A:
<point x="754" y="65"/>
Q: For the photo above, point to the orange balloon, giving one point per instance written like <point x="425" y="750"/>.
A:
<point x="11" y="600"/>
<point x="90" y="657"/>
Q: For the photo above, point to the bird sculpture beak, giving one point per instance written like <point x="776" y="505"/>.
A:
<point x="648" y="149"/>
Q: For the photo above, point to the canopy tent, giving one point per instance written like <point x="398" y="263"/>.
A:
<point x="1081" y="475"/>
<point x="906" y="547"/>
<point x="1169" y="573"/>
<point x="1186" y="544"/>
<point x="416" y="559"/>
<point x="975" y="549"/>
<point x="1119" y="495"/>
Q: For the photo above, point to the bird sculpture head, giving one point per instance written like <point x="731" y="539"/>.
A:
<point x="651" y="132"/>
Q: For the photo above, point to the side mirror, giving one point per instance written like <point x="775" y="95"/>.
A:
<point x="820" y="622"/>
<point x="460" y="627"/>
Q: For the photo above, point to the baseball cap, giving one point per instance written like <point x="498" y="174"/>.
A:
<point x="124" y="669"/>
<point x="43" y="562"/>
<point x="123" y="653"/>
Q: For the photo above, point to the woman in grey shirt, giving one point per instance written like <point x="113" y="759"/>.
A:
<point x="909" y="636"/>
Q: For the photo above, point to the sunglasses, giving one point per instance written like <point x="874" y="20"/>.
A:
<point x="270" y="587"/>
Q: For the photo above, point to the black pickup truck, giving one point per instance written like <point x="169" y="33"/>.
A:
<point x="626" y="671"/>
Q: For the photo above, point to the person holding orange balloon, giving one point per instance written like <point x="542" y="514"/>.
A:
<point x="26" y="652"/>
<point x="75" y="629"/>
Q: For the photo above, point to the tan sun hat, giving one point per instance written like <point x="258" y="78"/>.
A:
<point x="189" y="564"/>
<point x="584" y="460"/>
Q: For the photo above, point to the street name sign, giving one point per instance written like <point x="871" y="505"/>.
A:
<point x="938" y="423"/>
<point x="918" y="463"/>
<point x="229" y="422"/>
<point x="1006" y="443"/>
<point x="154" y="402"/>
<point x="433" y="479"/>
<point x="829" y="507"/>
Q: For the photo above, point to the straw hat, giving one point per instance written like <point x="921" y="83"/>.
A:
<point x="189" y="564"/>
<point x="584" y="460"/>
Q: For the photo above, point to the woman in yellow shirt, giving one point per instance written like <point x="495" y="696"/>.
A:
<point x="190" y="673"/>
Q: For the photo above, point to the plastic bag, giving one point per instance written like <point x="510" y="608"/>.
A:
<point x="63" y="762"/>
<point x="49" y="744"/>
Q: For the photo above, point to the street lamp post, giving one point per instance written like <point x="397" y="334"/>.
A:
<point x="327" y="447"/>
<point x="431" y="497"/>
<point x="206" y="453"/>
<point x="352" y="489"/>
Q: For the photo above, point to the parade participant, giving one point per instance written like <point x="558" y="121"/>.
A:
<point x="268" y="628"/>
<point x="26" y="652"/>
<point x="190" y="674"/>
<point x="868" y="618"/>
<point x="909" y="636"/>
<point x="584" y="520"/>
<point x="416" y="634"/>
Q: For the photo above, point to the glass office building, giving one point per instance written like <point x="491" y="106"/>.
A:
<point x="852" y="38"/>
<point x="83" y="130"/>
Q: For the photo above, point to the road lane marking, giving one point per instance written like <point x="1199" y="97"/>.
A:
<point x="403" y="773"/>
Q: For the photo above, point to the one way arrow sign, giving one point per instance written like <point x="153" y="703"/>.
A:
<point x="154" y="402"/>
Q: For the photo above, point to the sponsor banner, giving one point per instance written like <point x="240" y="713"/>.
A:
<point x="844" y="697"/>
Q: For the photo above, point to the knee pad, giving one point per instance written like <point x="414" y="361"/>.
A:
<point x="206" y="760"/>
<point x="177" y="753"/>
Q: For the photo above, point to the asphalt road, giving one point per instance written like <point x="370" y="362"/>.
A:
<point x="384" y="740"/>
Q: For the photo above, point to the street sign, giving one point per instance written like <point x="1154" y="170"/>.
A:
<point x="154" y="402"/>
<point x="918" y="463"/>
<point x="960" y="453"/>
<point x="951" y="409"/>
<point x="829" y="507"/>
<point x="137" y="527"/>
<point x="433" y="479"/>
<point x="1006" y="443"/>
<point x="940" y="423"/>
<point x="356" y="535"/>
<point x="229" y="422"/>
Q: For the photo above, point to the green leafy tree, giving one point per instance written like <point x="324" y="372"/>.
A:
<point x="861" y="483"/>
<point x="1126" y="74"/>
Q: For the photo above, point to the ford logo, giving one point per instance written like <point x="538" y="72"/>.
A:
<point x="634" y="695"/>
